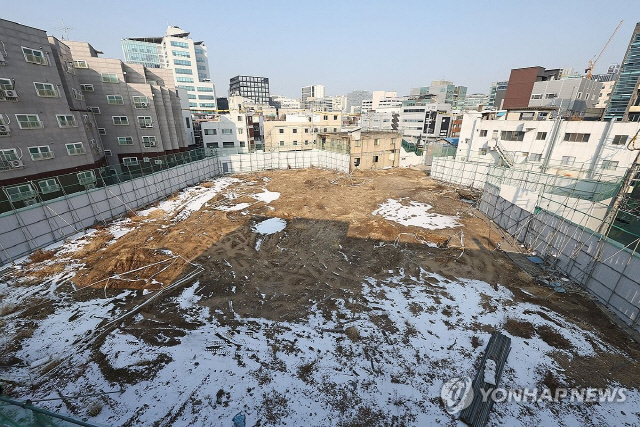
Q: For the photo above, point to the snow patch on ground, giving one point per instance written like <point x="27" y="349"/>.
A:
<point x="415" y="214"/>
<point x="270" y="226"/>
<point x="266" y="196"/>
<point x="232" y="208"/>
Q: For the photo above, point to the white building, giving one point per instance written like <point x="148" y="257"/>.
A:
<point x="282" y="102"/>
<point x="313" y="91"/>
<point x="420" y="121"/>
<point x="586" y="146"/>
<point x="605" y="94"/>
<point x="354" y="100"/>
<point x="187" y="58"/>
<point x="228" y="133"/>
<point x="381" y="98"/>
<point x="573" y="95"/>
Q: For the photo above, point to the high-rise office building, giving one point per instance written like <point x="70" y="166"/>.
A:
<point x="187" y="58"/>
<point x="250" y="87"/>
<point x="627" y="79"/>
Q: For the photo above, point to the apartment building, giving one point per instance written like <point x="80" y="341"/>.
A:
<point x="591" y="145"/>
<point x="138" y="112"/>
<point x="233" y="132"/>
<point x="188" y="59"/>
<point x="45" y="128"/>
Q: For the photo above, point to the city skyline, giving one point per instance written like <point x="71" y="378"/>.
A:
<point x="363" y="45"/>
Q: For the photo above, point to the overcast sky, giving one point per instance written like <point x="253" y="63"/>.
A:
<point x="352" y="44"/>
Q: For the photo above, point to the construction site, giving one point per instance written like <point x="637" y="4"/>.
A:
<point x="311" y="295"/>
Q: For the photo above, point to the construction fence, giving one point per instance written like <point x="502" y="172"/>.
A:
<point x="107" y="193"/>
<point x="566" y="221"/>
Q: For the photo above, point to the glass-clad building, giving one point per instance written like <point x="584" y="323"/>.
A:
<point x="141" y="52"/>
<point x="627" y="79"/>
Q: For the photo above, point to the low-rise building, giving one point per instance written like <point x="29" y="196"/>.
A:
<point x="368" y="150"/>
<point x="232" y="132"/>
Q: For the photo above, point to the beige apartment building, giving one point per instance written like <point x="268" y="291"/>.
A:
<point x="368" y="149"/>
<point x="299" y="131"/>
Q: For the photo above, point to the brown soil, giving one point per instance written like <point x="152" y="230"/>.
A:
<point x="331" y="242"/>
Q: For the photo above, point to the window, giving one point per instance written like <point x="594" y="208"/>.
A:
<point x="48" y="186"/>
<point x="120" y="120"/>
<point x="86" y="177"/>
<point x="535" y="157"/>
<point x="102" y="131"/>
<point x="306" y="142"/>
<point x="34" y="56"/>
<point x="46" y="90"/>
<point x="335" y="117"/>
<point x="108" y="153"/>
<point x="130" y="161"/>
<point x="294" y="142"/>
<point x="211" y="145"/>
<point x="29" y="121"/>
<point x="325" y="118"/>
<point x="179" y="44"/>
<point x="609" y="164"/>
<point x="182" y="71"/>
<point x="356" y="161"/>
<point x="184" y="79"/>
<point x="375" y="159"/>
<point x="208" y="105"/>
<point x="240" y="131"/>
<point x="376" y="141"/>
<point x="182" y="62"/>
<point x="20" y="192"/>
<point x="306" y="130"/>
<point x="205" y="89"/>
<point x="551" y="95"/>
<point x="536" y="96"/>
<point x="540" y="136"/>
<point x="210" y="131"/>
<point x="140" y="102"/>
<point x="75" y="148"/>
<point x="110" y="78"/>
<point x="191" y="88"/>
<point x="67" y="121"/>
<point x="191" y="96"/>
<point x="42" y="152"/>
<point x="280" y="130"/>
<point x="568" y="160"/>
<point x="619" y="139"/>
<point x="181" y="53"/>
<point x="149" y="141"/>
<point x="228" y="144"/>
<point x="94" y="110"/>
<point x="115" y="100"/>
<point x="6" y="84"/>
<point x="512" y="135"/>
<point x="125" y="140"/>
<point x="227" y="131"/>
<point x="243" y="144"/>
<point x="77" y="94"/>
<point x="145" y="122"/>
<point x="282" y="143"/>
<point x="208" y="97"/>
<point x="577" y="137"/>
<point x="483" y="132"/>
<point x="9" y="154"/>
<point x="80" y="64"/>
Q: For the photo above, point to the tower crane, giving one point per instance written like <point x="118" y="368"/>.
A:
<point x="592" y="63"/>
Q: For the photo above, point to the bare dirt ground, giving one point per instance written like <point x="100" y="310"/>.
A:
<point x="331" y="242"/>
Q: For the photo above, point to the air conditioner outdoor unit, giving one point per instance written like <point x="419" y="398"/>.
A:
<point x="10" y="94"/>
<point x="144" y="105"/>
<point x="4" y="128"/>
<point x="157" y="162"/>
<point x="16" y="163"/>
<point x="148" y="126"/>
<point x="2" y="57"/>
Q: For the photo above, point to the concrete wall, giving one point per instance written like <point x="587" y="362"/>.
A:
<point x="605" y="268"/>
<point x="24" y="230"/>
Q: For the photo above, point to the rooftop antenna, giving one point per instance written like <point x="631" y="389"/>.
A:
<point x="65" y="30"/>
